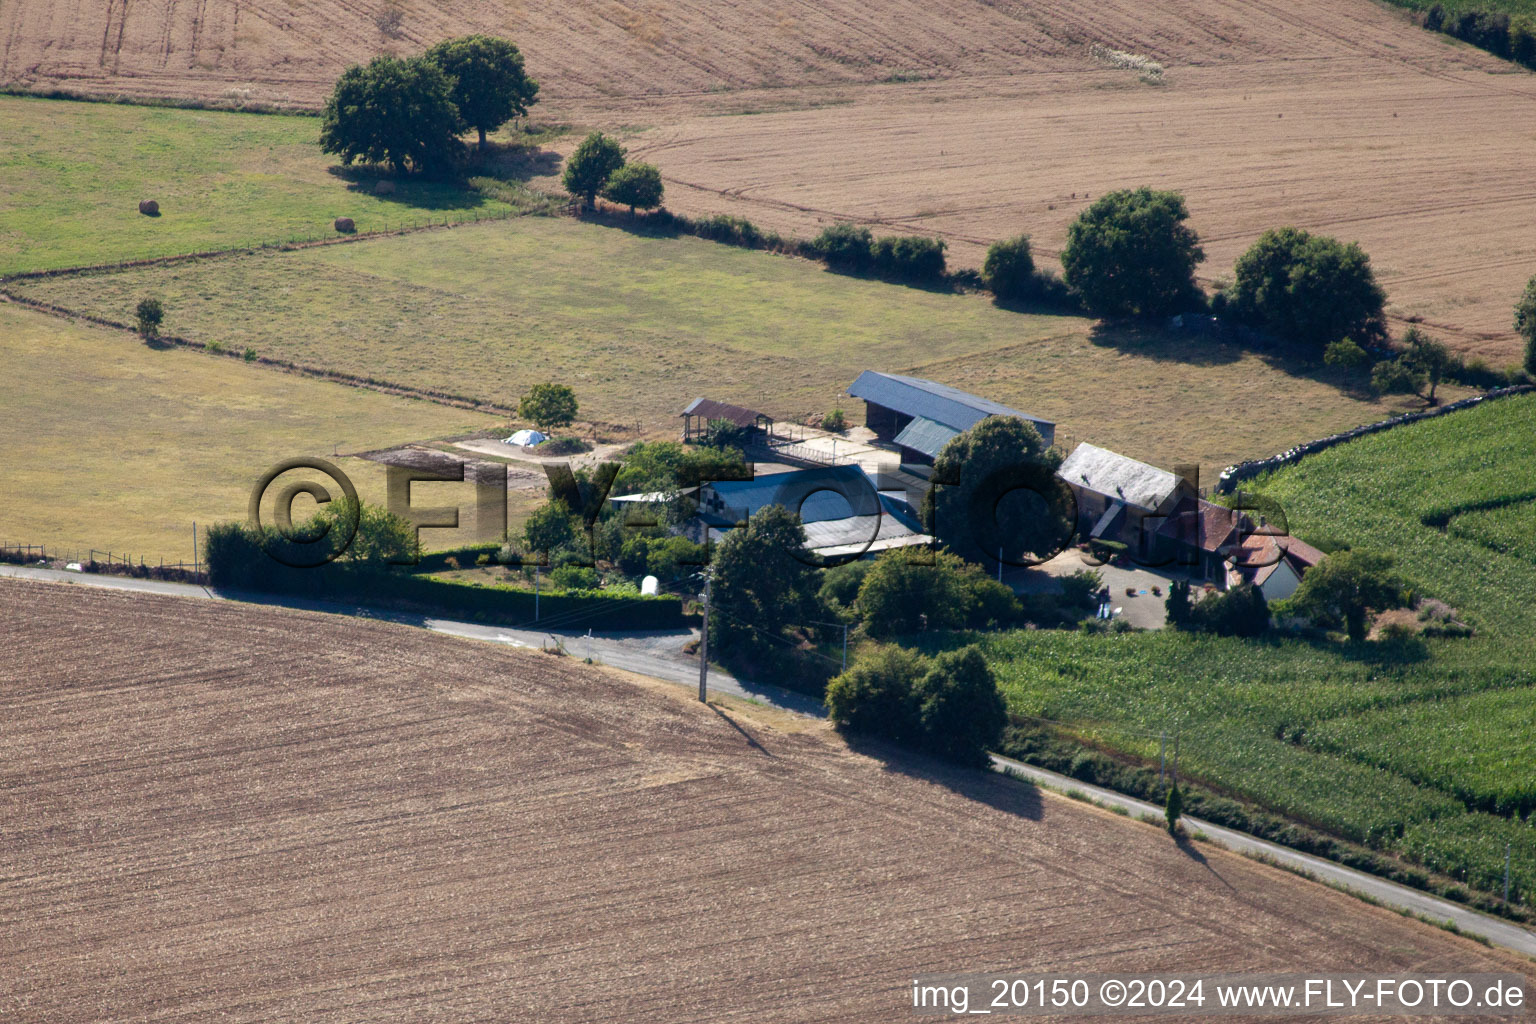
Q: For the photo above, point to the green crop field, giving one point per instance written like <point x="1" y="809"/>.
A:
<point x="113" y="445"/>
<point x="72" y="176"/>
<point x="1510" y="7"/>
<point x="640" y="325"/>
<point x="1424" y="748"/>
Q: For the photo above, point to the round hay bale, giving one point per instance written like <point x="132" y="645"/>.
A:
<point x="384" y="188"/>
<point x="149" y="208"/>
<point x="345" y="225"/>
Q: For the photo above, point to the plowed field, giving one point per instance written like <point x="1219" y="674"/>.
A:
<point x="239" y="813"/>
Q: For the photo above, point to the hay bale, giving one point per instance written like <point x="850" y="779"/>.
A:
<point x="345" y="225"/>
<point x="384" y="188"/>
<point x="149" y="208"/>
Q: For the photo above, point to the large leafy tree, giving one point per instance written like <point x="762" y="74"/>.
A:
<point x="995" y="487"/>
<point x="1346" y="585"/>
<point x="588" y="169"/>
<point x="489" y="85"/>
<point x="1308" y="289"/>
<point x="761" y="587"/>
<point x="393" y="111"/>
<point x="875" y="696"/>
<point x="1525" y="323"/>
<point x="635" y="185"/>
<point x="1009" y="269"/>
<point x="1131" y="253"/>
<point x="1429" y="357"/>
<point x="548" y="406"/>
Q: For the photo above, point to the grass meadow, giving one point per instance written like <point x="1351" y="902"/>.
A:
<point x="639" y="325"/>
<point x="117" y="446"/>
<point x="72" y="176"/>
<point x="1424" y="747"/>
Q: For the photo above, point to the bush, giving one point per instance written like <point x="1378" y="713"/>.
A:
<point x="1525" y="323"/>
<point x="834" y="421"/>
<point x="1178" y="605"/>
<point x="900" y="594"/>
<point x="574" y="577"/>
<point x="960" y="710"/>
<point x="588" y="169"/>
<point x="1241" y="611"/>
<point x="875" y="696"/>
<point x="1130" y="253"/>
<point x="1396" y="377"/>
<point x="548" y="406"/>
<point x="1080" y="589"/>
<point x="1174" y="809"/>
<point x="730" y="230"/>
<point x="1345" y="353"/>
<point x="908" y="258"/>
<point x="1009" y="269"/>
<point x="845" y="247"/>
<point x="840" y="584"/>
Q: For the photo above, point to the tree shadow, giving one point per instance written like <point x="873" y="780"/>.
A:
<point x="512" y="161"/>
<point x="1005" y="793"/>
<point x="418" y="192"/>
<point x="1187" y="847"/>
<point x="1150" y="341"/>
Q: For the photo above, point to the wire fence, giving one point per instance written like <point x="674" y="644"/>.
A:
<point x="111" y="563"/>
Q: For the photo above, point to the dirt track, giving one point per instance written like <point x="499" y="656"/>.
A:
<point x="220" y="812"/>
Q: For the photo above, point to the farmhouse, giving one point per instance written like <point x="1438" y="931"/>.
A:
<point x="920" y="416"/>
<point x="842" y="512"/>
<point x="1274" y="564"/>
<point x="1201" y="536"/>
<point x="1116" y="496"/>
<point x="701" y="412"/>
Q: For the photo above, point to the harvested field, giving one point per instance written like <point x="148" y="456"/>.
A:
<point x="381" y="824"/>
<point x="970" y="121"/>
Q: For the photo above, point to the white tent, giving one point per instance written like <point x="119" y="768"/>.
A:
<point x="527" y="438"/>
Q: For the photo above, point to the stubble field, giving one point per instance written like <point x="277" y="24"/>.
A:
<point x="969" y="121"/>
<point x="259" y="814"/>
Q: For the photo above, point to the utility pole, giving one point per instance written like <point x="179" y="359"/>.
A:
<point x="845" y="654"/>
<point x="999" y="563"/>
<point x="194" y="546"/>
<point x="535" y="593"/>
<point x="704" y="642"/>
<point x="1176" y="757"/>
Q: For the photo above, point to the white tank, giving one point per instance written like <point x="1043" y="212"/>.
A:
<point x="649" y="585"/>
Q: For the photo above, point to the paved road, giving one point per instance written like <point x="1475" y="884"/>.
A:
<point x="658" y="654"/>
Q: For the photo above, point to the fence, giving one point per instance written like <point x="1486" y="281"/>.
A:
<point x="109" y="563"/>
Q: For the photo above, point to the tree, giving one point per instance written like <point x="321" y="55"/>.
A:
<point x="1130" y="253"/>
<point x="1308" y="289"/>
<point x="548" y="406"/>
<point x="994" y="486"/>
<point x="635" y="186"/>
<point x="393" y="111"/>
<point x="1346" y="585"/>
<point x="1525" y="323"/>
<point x="1430" y="359"/>
<point x="1174" y="810"/>
<point x="901" y="594"/>
<point x="1177" y="604"/>
<point x="908" y="257"/>
<point x="761" y="589"/>
<point x="588" y="169"/>
<point x="875" y="696"/>
<point x="960" y="710"/>
<point x="1009" y="269"/>
<point x="149" y="314"/>
<point x="488" y="84"/>
<point x="552" y="527"/>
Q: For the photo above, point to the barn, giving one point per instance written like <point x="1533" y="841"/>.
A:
<point x="920" y="416"/>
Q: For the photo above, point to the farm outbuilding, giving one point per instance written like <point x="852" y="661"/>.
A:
<point x="1116" y="495"/>
<point x="701" y="412"/>
<point x="921" y="416"/>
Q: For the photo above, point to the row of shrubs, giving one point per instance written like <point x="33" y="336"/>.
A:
<point x="1493" y="31"/>
<point x="1037" y="745"/>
